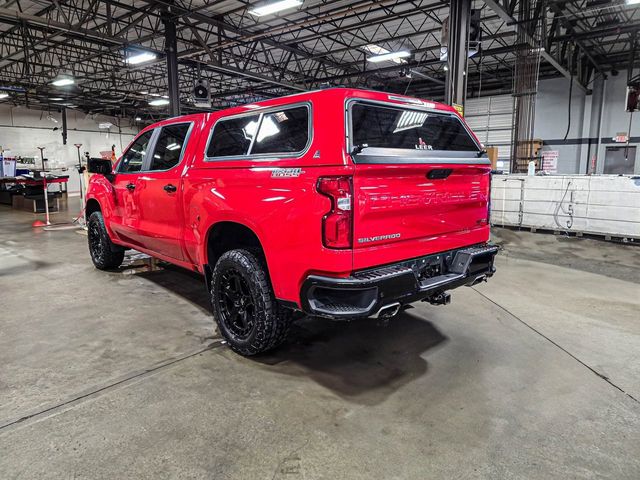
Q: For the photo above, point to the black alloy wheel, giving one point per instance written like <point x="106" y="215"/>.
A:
<point x="248" y="316"/>
<point x="237" y="307"/>
<point x="105" y="255"/>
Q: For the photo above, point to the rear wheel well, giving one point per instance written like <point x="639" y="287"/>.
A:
<point x="225" y="236"/>
<point x="91" y="206"/>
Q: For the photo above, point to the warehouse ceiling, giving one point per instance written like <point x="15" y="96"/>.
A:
<point x="320" y="43"/>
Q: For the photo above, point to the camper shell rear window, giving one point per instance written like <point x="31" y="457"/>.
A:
<point x="386" y="126"/>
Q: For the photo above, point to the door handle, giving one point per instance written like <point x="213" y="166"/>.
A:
<point x="131" y="186"/>
<point x="170" y="188"/>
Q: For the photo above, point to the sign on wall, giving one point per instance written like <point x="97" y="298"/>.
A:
<point x="621" y="137"/>
<point x="550" y="161"/>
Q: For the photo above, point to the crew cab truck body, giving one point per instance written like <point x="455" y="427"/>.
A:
<point x="339" y="203"/>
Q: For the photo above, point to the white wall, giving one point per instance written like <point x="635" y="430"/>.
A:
<point x="614" y="117"/>
<point x="551" y="122"/>
<point x="552" y="119"/>
<point x="23" y="130"/>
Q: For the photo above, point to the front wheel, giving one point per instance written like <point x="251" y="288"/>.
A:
<point x="104" y="253"/>
<point x="244" y="306"/>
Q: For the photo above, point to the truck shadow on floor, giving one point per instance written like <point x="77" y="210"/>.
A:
<point x="189" y="285"/>
<point x="361" y="361"/>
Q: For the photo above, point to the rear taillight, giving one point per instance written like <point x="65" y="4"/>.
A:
<point x="489" y="199"/>
<point x="337" y="223"/>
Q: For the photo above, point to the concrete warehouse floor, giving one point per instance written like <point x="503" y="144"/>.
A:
<point x="535" y="374"/>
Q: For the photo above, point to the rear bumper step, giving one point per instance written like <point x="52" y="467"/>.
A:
<point x="380" y="292"/>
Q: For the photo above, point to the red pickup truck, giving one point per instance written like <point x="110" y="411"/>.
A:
<point x="339" y="203"/>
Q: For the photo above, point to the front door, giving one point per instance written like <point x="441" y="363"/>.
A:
<point x="126" y="215"/>
<point x="159" y="193"/>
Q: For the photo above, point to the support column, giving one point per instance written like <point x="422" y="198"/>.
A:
<point x="456" y="81"/>
<point x="172" y="62"/>
<point x="594" y="160"/>
<point x="64" y="125"/>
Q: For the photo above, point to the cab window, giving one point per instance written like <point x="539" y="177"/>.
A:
<point x="133" y="158"/>
<point x="169" y="146"/>
<point x="284" y="131"/>
<point x="232" y="137"/>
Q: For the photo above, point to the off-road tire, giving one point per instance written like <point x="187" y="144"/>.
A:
<point x="105" y="254"/>
<point x="269" y="323"/>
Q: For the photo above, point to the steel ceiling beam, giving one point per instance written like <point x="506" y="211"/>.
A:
<point x="506" y="17"/>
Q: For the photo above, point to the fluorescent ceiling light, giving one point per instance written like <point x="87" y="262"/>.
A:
<point x="395" y="57"/>
<point x="173" y="146"/>
<point x="56" y="99"/>
<point x="63" y="81"/>
<point x="379" y="51"/>
<point x="144" y="92"/>
<point x="138" y="119"/>
<point x="154" y="94"/>
<point x="165" y="96"/>
<point x="274" y="7"/>
<point x="140" y="57"/>
<point x="4" y="95"/>
<point x="159" y="102"/>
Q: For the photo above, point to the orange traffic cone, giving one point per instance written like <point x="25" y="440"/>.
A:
<point x="38" y="223"/>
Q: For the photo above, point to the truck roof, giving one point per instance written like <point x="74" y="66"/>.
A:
<point x="333" y="92"/>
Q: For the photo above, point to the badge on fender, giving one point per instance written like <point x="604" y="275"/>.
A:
<point x="285" y="172"/>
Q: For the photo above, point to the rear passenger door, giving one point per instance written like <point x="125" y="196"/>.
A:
<point x="159" y="192"/>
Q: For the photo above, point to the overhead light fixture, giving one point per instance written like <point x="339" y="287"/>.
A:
<point x="138" y="119"/>
<point x="154" y="94"/>
<point x="56" y="99"/>
<point x="140" y="57"/>
<point x="159" y="102"/>
<point x="173" y="146"/>
<point x="391" y="56"/>
<point x="446" y="68"/>
<point x="63" y="81"/>
<point x="274" y="7"/>
<point x="165" y="96"/>
<point x="632" y="2"/>
<point x="4" y="95"/>
<point x="145" y="92"/>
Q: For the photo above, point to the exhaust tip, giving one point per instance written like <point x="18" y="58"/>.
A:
<point x="477" y="280"/>
<point x="388" y="311"/>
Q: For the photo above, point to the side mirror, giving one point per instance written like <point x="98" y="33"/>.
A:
<point x="99" y="165"/>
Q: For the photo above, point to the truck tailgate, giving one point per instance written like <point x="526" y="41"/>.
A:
<point x="408" y="210"/>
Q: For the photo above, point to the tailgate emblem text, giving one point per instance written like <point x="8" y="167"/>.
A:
<point x="378" y="238"/>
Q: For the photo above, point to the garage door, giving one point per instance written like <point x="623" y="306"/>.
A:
<point x="491" y="118"/>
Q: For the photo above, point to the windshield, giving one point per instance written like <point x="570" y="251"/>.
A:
<point x="398" y="127"/>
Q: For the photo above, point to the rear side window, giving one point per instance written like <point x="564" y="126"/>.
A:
<point x="232" y="137"/>
<point x="284" y="131"/>
<point x="169" y="146"/>
<point x="134" y="157"/>
<point x="390" y="127"/>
